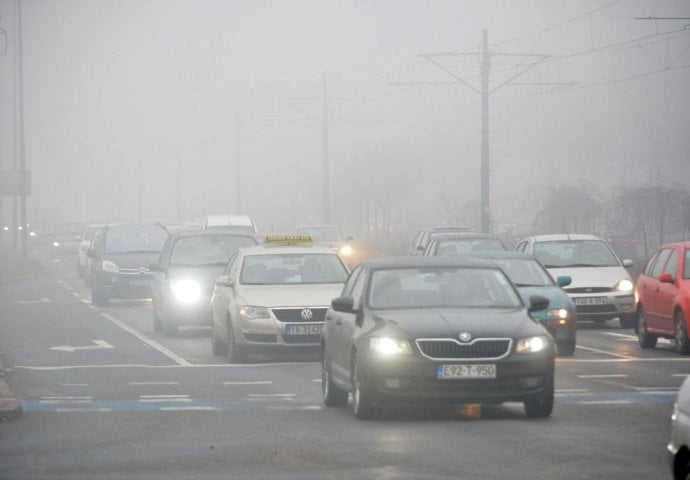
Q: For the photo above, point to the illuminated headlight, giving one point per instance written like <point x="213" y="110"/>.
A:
<point x="389" y="346"/>
<point x="56" y="244"/>
<point x="531" y="344"/>
<point x="254" y="312"/>
<point x="32" y="234"/>
<point x="110" y="267"/>
<point x="346" y="250"/>
<point x="185" y="291"/>
<point x="624" y="285"/>
<point x="6" y="228"/>
<point x="560" y="313"/>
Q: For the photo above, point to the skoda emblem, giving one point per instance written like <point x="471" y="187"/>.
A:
<point x="465" y="337"/>
<point x="306" y="314"/>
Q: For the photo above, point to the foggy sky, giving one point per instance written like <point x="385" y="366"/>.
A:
<point x="118" y="92"/>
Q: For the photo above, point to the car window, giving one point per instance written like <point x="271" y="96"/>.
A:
<point x="435" y="287"/>
<point x="207" y="249"/>
<point x="660" y="262"/>
<point x="524" y="272"/>
<point x="349" y="285"/>
<point x="575" y="253"/>
<point x="672" y="263"/>
<point x="686" y="264"/>
<point x="293" y="268"/>
<point x="650" y="264"/>
<point x="144" y="239"/>
<point x="358" y="289"/>
<point x="457" y="246"/>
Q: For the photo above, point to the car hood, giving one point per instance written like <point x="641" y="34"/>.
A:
<point x="133" y="260"/>
<point x="290" y="295"/>
<point x="591" y="276"/>
<point x="204" y="274"/>
<point x="448" y="323"/>
<point x="557" y="297"/>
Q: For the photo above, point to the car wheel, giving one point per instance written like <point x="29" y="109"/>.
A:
<point x="541" y="406"/>
<point x="681" y="465"/>
<point x="157" y="322"/>
<point x="566" y="348"/>
<point x="627" y="320"/>
<point x="217" y="345"/>
<point x="333" y="396"/>
<point x="98" y="299"/>
<point x="236" y="354"/>
<point x="681" y="335"/>
<point x="647" y="340"/>
<point x="362" y="405"/>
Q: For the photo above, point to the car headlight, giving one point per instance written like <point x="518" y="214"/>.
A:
<point x="389" y="346"/>
<point x="535" y="344"/>
<point x="110" y="267"/>
<point x="346" y="250"/>
<point x="185" y="290"/>
<point x="32" y="234"/>
<point x="56" y="244"/>
<point x="251" y="312"/>
<point x="559" y="313"/>
<point x="624" y="285"/>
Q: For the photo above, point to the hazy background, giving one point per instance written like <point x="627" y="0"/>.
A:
<point x="119" y="92"/>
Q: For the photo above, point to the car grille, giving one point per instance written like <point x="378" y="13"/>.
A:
<point x="596" y="308"/>
<point x="295" y="314"/>
<point x="449" y="349"/>
<point x="589" y="290"/>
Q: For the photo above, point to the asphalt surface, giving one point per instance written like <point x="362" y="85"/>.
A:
<point x="103" y="396"/>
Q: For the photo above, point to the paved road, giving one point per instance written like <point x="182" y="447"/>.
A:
<point x="106" y="397"/>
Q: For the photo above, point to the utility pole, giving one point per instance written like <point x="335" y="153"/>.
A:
<point x="178" y="189"/>
<point x="238" y="165"/>
<point x="326" y="164"/>
<point x="22" y="151"/>
<point x="485" y="170"/>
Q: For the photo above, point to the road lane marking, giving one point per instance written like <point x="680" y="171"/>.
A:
<point x="270" y="395"/>
<point x="605" y="402"/>
<point x="680" y="374"/>
<point x="659" y="392"/>
<point x="604" y="352"/>
<point x="188" y="409"/>
<point x="81" y="410"/>
<point x="258" y="382"/>
<point x="33" y="302"/>
<point x="99" y="344"/>
<point x="156" y="346"/>
<point x="316" y="380"/>
<point x="75" y="294"/>
<point x="654" y="389"/>
<point x="603" y="376"/>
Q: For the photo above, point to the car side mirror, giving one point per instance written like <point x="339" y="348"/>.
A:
<point x="564" y="281"/>
<point x="666" y="278"/>
<point x="343" y="304"/>
<point x="537" y="302"/>
<point x="627" y="263"/>
<point x="225" y="281"/>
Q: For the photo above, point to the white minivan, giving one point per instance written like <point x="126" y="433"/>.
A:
<point x="236" y="222"/>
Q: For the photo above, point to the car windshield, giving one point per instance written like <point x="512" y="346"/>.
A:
<point x="524" y="272"/>
<point x="90" y="232"/>
<point x="293" y="268"/>
<point x="575" y="253"/>
<point x="457" y="246"/>
<point x="131" y="239"/>
<point x="441" y="287"/>
<point x="207" y="249"/>
<point x="322" y="234"/>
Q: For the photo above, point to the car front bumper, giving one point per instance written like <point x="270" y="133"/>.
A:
<point x="113" y="285"/>
<point x="603" y="306"/>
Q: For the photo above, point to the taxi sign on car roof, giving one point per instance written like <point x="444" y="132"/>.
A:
<point x="288" y="239"/>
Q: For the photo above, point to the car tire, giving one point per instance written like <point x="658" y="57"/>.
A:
<point x="98" y="299"/>
<point x="627" y="320"/>
<point x="541" y="406"/>
<point x="646" y="339"/>
<point x="236" y="353"/>
<point x="566" y="348"/>
<point x="333" y="396"/>
<point x="681" y="334"/>
<point x="217" y="345"/>
<point x="362" y="405"/>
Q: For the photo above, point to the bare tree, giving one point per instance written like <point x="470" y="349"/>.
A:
<point x="568" y="209"/>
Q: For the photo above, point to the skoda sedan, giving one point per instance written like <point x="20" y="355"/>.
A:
<point x="435" y="330"/>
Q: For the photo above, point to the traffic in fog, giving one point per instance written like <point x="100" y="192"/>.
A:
<point x="379" y="239"/>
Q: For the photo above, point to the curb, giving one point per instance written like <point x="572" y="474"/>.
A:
<point x="10" y="407"/>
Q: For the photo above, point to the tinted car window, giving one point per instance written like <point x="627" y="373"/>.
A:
<point x="294" y="268"/>
<point x="135" y="239"/>
<point x="575" y="253"/>
<point x="207" y="249"/>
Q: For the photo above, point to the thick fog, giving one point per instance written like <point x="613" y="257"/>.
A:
<point x="127" y="100"/>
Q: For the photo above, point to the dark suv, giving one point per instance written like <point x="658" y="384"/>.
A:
<point x="121" y="257"/>
<point x="186" y="273"/>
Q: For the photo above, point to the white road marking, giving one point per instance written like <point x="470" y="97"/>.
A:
<point x="188" y="409"/>
<point x="603" y="376"/>
<point x="302" y="407"/>
<point x="156" y="346"/>
<point x="680" y="374"/>
<point x="604" y="352"/>
<point x="92" y="307"/>
<point x="654" y="389"/>
<point x="98" y="345"/>
<point x="271" y="395"/>
<point x="259" y="382"/>
<point x="154" y="383"/>
<point x="659" y="392"/>
<point x="316" y="380"/>
<point x="33" y="302"/>
<point x="74" y="384"/>
<point x="51" y="400"/>
<point x="81" y="410"/>
<point x="164" y="398"/>
<point x="76" y="295"/>
<point x="604" y="402"/>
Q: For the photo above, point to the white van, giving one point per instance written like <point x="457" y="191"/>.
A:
<point x="240" y="223"/>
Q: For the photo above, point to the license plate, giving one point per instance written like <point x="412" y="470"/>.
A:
<point x="487" y="370"/>
<point x="590" y="300"/>
<point x="311" y="329"/>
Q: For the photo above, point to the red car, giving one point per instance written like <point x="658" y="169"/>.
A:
<point x="663" y="297"/>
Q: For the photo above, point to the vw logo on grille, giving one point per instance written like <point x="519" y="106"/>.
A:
<point x="465" y="337"/>
<point x="306" y="314"/>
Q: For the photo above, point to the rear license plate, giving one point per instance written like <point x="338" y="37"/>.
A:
<point x="590" y="300"/>
<point x="311" y="329"/>
<point x="487" y="370"/>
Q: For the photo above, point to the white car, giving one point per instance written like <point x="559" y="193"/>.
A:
<point x="274" y="296"/>
<point x="238" y="223"/>
<point x="86" y="239"/>
<point x="601" y="288"/>
<point x="679" y="445"/>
